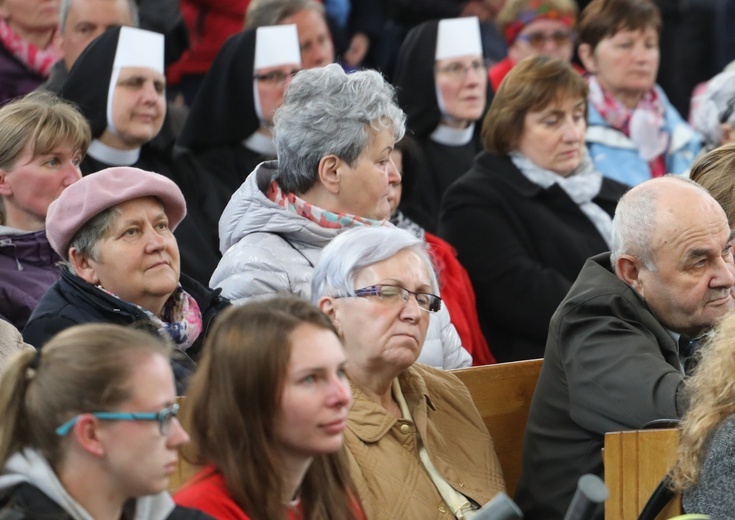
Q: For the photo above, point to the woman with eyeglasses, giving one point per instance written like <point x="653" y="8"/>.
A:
<point x="89" y="428"/>
<point x="229" y="125"/>
<point x="634" y="133"/>
<point x="534" y="28"/>
<point x="267" y="413"/>
<point x="532" y="208"/>
<point x="441" y="79"/>
<point x="417" y="445"/>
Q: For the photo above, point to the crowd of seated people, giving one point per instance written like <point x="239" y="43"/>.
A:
<point x="273" y="256"/>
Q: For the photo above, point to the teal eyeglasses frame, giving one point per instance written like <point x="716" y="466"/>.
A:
<point x="164" y="418"/>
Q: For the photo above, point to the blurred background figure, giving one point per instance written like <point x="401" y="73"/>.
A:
<point x="454" y="282"/>
<point x="27" y="53"/>
<point x="533" y="207"/>
<point x="334" y="135"/>
<point x="633" y="133"/>
<point x="713" y="111"/>
<point x="115" y="230"/>
<point x="706" y="464"/>
<point x="10" y="342"/>
<point x="315" y="40"/>
<point x="42" y="143"/>
<point x="80" y="22"/>
<point x="441" y="79"/>
<point x="715" y="171"/>
<point x="126" y="110"/>
<point x="378" y="287"/>
<point x="229" y="125"/>
<point x="89" y="428"/>
<point x="210" y="23"/>
<point x="534" y="27"/>
<point x="277" y="454"/>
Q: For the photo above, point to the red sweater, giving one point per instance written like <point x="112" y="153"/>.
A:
<point x="207" y="492"/>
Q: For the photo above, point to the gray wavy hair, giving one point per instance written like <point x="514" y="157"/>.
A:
<point x="326" y="111"/>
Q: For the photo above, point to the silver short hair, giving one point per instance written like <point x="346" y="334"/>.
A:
<point x="357" y="248"/>
<point x="65" y="7"/>
<point x="634" y="223"/>
<point x="272" y="12"/>
<point x="326" y="111"/>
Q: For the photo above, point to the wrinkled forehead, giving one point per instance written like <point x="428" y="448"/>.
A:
<point x="689" y="220"/>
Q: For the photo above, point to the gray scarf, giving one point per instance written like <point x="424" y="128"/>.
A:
<point x="582" y="185"/>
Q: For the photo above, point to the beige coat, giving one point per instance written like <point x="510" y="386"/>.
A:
<point x="390" y="479"/>
<point x="10" y="342"/>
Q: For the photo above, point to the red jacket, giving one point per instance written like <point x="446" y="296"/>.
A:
<point x="459" y="297"/>
<point x="210" y="23"/>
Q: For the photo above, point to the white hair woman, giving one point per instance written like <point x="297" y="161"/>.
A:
<point x="378" y="287"/>
<point x="89" y="428"/>
<point x="334" y="135"/>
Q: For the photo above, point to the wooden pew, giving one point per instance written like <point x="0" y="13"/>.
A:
<point x="635" y="462"/>
<point x="502" y="393"/>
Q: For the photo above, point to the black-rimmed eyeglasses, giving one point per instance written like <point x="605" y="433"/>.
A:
<point x="394" y="294"/>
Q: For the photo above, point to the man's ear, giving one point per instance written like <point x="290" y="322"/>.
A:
<point x="57" y="42"/>
<point x="5" y="189"/>
<point x="83" y="266"/>
<point x="586" y="56"/>
<point x="330" y="173"/>
<point x="628" y="269"/>
<point x="728" y="133"/>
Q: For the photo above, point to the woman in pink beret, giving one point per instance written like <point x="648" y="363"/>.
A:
<point x="114" y="229"/>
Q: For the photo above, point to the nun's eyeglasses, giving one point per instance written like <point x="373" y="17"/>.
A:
<point x="275" y="77"/>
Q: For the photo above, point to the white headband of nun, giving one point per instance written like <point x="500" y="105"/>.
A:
<point x="135" y="48"/>
<point x="274" y="45"/>
<point x="458" y="37"/>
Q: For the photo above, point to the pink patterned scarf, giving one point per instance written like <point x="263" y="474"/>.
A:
<point x="318" y="215"/>
<point x="38" y="60"/>
<point x="644" y="125"/>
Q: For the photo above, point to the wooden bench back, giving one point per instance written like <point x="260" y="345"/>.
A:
<point x="502" y="393"/>
<point x="635" y="462"/>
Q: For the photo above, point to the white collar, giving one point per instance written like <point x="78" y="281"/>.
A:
<point x="109" y="155"/>
<point x="261" y="144"/>
<point x="450" y="136"/>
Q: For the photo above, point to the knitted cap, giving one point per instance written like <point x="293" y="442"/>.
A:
<point x="104" y="189"/>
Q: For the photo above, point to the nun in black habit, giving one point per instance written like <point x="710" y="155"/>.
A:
<point x="441" y="78"/>
<point x="229" y="124"/>
<point x="118" y="85"/>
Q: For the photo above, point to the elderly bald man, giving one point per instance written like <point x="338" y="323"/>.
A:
<point x="618" y="342"/>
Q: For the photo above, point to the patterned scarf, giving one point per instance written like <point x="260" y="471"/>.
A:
<point x="181" y="319"/>
<point x="644" y="125"/>
<point x="322" y="217"/>
<point x="38" y="60"/>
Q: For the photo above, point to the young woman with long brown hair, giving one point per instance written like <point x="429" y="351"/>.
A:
<point x="266" y="411"/>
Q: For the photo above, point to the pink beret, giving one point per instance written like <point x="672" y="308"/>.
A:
<point x="104" y="189"/>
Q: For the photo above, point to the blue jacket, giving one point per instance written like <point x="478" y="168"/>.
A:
<point x="616" y="156"/>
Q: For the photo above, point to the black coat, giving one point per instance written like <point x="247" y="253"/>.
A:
<point x="522" y="245"/>
<point x="72" y="301"/>
<point x="27" y="502"/>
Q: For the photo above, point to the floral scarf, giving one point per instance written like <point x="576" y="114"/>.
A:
<point x="322" y="217"/>
<point x="38" y="60"/>
<point x="644" y="125"/>
<point x="181" y="318"/>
